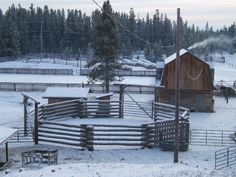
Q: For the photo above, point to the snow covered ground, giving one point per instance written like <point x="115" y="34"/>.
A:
<point x="119" y="161"/>
<point x="224" y="72"/>
<point x="22" y="64"/>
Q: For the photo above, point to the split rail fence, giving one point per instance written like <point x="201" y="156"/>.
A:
<point x="90" y="135"/>
<point x="47" y="125"/>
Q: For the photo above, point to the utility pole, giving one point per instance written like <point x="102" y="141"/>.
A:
<point x="41" y="40"/>
<point x="177" y="89"/>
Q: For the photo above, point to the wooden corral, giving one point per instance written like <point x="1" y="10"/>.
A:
<point x="196" y="83"/>
<point x="105" y="106"/>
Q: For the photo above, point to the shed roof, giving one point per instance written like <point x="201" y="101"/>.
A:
<point x="104" y="95"/>
<point x="60" y="92"/>
<point x="173" y="57"/>
<point x="6" y="133"/>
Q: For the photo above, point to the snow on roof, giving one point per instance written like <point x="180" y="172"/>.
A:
<point x="173" y="57"/>
<point x="6" y="133"/>
<point x="60" y="92"/>
<point x="104" y="95"/>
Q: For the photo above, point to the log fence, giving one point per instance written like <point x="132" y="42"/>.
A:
<point x="38" y="71"/>
<point x="41" y="87"/>
<point x="90" y="135"/>
<point x="47" y="127"/>
<point x="80" y="108"/>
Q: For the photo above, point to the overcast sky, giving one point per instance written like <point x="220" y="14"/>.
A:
<point x="217" y="12"/>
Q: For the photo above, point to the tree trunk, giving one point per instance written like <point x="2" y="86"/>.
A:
<point x="107" y="77"/>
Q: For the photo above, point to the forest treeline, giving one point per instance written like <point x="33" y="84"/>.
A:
<point x="36" y="30"/>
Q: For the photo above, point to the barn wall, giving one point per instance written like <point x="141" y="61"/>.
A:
<point x="197" y="100"/>
<point x="194" y="74"/>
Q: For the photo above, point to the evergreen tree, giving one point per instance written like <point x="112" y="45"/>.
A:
<point x="157" y="51"/>
<point x="131" y="27"/>
<point x="148" y="51"/>
<point x="10" y="45"/>
<point x="105" y="60"/>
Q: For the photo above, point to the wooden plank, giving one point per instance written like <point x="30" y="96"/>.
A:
<point x="117" y="139"/>
<point x="62" y="138"/>
<point x="110" y="125"/>
<point x="59" y="124"/>
<point x="117" y="130"/>
<point x="60" y="133"/>
<point x="62" y="129"/>
<point x="62" y="142"/>
<point x="118" y="135"/>
<point x="117" y="144"/>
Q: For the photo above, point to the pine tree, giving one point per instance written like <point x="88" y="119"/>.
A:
<point x="1" y="34"/>
<point x="105" y="60"/>
<point x="131" y="27"/>
<point x="148" y="51"/>
<point x="157" y="51"/>
<point x="10" y="35"/>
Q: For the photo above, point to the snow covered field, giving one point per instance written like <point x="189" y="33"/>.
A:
<point x="120" y="161"/>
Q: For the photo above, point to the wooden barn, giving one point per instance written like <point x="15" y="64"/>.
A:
<point x="196" y="82"/>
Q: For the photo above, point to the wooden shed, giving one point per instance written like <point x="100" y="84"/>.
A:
<point x="196" y="82"/>
<point x="59" y="94"/>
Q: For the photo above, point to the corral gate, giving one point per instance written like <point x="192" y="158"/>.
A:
<point x="201" y="137"/>
<point x="225" y="157"/>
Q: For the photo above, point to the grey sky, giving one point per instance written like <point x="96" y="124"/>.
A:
<point x="216" y="12"/>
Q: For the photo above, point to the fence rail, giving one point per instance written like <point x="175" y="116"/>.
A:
<point x="211" y="137"/>
<point x="149" y="73"/>
<point x="90" y="135"/>
<point x="132" y="109"/>
<point x="21" y="137"/>
<point x="44" y="123"/>
<point x="225" y="157"/>
<point x="38" y="87"/>
<point x="80" y="108"/>
<point x="59" y="133"/>
<point x="36" y="71"/>
<point x="163" y="111"/>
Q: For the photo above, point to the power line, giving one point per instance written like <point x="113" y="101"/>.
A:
<point x="124" y="27"/>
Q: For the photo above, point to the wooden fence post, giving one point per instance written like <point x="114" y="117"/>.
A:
<point x="150" y="137"/>
<point x="144" y="138"/>
<point x="187" y="132"/>
<point x="25" y="100"/>
<point x="88" y="136"/>
<point x="89" y="132"/>
<point x="121" y="99"/>
<point x="156" y="135"/>
<point x="36" y="123"/>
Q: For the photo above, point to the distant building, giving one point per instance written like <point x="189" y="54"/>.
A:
<point x="196" y="82"/>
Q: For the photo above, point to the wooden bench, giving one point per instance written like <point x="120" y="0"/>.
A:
<point x="40" y="156"/>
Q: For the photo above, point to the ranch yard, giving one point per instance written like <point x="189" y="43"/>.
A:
<point x="121" y="161"/>
<point x="114" y="161"/>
